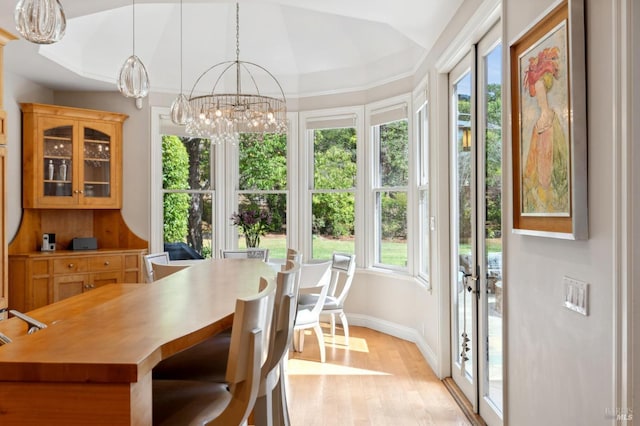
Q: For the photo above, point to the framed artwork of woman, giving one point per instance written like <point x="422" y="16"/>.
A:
<point x="548" y="102"/>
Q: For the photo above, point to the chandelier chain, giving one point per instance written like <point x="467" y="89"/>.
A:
<point x="222" y="117"/>
<point x="180" y="46"/>
<point x="133" y="18"/>
<point x="237" y="31"/>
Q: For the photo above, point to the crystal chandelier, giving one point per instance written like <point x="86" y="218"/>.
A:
<point x="133" y="80"/>
<point x="40" y="21"/>
<point x="221" y="117"/>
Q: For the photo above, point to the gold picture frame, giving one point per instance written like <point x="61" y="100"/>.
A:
<point x="549" y="132"/>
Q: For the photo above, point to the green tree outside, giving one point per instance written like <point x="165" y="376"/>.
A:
<point x="175" y="175"/>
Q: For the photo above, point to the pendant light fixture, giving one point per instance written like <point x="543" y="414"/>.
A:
<point x="133" y="80"/>
<point x="180" y="108"/>
<point x="221" y="116"/>
<point x="40" y="21"/>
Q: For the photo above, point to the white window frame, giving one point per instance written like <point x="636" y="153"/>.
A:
<point x="388" y="108"/>
<point x="327" y="119"/>
<point x="223" y="186"/>
<point x="423" y="261"/>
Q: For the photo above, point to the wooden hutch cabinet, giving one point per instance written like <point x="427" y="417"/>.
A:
<point x="71" y="157"/>
<point x="72" y="187"/>
<point x="38" y="279"/>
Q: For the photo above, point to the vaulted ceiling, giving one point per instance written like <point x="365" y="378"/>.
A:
<point x="311" y="46"/>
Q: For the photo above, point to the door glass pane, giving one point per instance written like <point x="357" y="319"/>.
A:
<point x="493" y="230"/>
<point x="463" y="241"/>
<point x="58" y="168"/>
<point x="97" y="163"/>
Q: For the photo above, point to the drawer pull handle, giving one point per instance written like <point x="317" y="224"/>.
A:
<point x="106" y="263"/>
<point x="70" y="265"/>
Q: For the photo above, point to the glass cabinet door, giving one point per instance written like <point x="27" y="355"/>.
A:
<point x="97" y="152"/>
<point x="58" y="162"/>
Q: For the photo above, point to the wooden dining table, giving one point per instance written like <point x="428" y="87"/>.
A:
<point x="92" y="365"/>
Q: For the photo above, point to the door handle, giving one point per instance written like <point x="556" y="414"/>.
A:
<point x="471" y="288"/>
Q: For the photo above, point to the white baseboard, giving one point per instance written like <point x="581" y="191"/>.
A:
<point x="399" y="331"/>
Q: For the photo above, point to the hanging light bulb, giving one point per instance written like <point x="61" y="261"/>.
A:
<point x="133" y="80"/>
<point x="40" y="21"/>
<point x="180" y="108"/>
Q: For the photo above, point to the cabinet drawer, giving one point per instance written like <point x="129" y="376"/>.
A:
<point x="105" y="263"/>
<point x="69" y="265"/>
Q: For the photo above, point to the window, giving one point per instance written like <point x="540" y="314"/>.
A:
<point x="333" y="193"/>
<point x="390" y="136"/>
<point x="187" y="193"/>
<point x="200" y="185"/>
<point x="422" y="132"/>
<point x="262" y="186"/>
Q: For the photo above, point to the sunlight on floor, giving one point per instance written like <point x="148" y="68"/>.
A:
<point x="300" y="367"/>
<point x="355" y="344"/>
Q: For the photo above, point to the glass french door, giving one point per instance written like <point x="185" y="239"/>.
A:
<point x="475" y="87"/>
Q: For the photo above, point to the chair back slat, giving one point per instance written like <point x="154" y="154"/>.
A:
<point x="284" y="313"/>
<point x="251" y="314"/>
<point x="161" y="270"/>
<point x="343" y="265"/>
<point x="315" y="274"/>
<point x="294" y="255"/>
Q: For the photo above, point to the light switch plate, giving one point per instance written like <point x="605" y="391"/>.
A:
<point x="576" y="295"/>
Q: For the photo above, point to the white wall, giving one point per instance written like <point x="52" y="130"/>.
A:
<point x="17" y="90"/>
<point x="561" y="363"/>
<point x="635" y="206"/>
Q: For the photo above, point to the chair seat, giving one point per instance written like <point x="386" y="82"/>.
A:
<point x="307" y="301"/>
<point x="205" y="361"/>
<point x="305" y="317"/>
<point x="175" y="400"/>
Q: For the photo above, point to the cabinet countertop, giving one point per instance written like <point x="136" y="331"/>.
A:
<point x="68" y="253"/>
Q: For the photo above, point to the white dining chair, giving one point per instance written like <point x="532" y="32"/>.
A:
<point x="315" y="277"/>
<point x="193" y="402"/>
<point x="162" y="257"/>
<point x="343" y="266"/>
<point x="161" y="270"/>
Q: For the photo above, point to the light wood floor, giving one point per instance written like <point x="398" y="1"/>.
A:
<point x="378" y="380"/>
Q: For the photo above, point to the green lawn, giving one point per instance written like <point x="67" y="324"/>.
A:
<point x="493" y="245"/>
<point x="393" y="253"/>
